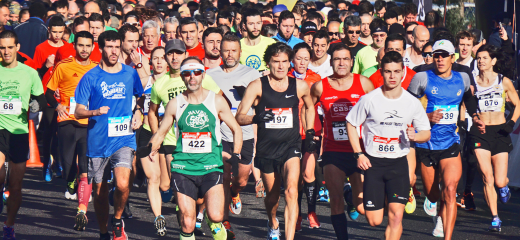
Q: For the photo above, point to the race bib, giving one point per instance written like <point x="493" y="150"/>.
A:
<point x="72" y="105"/>
<point x="386" y="146"/>
<point x="450" y="113"/>
<point x="10" y="105"/>
<point x="491" y="102"/>
<point x="196" y="142"/>
<point x="283" y="118"/>
<point x="234" y="111"/>
<point x="339" y="129"/>
<point x="119" y="126"/>
<point x="147" y="103"/>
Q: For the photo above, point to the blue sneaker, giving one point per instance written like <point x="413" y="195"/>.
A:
<point x="353" y="214"/>
<point x="430" y="207"/>
<point x="9" y="233"/>
<point x="327" y="194"/>
<point x="57" y="167"/>
<point x="505" y="194"/>
<point x="496" y="225"/>
<point x="111" y="177"/>
<point x="323" y="195"/>
<point x="166" y="195"/>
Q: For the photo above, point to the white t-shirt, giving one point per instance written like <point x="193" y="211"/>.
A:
<point x="408" y="61"/>
<point x="324" y="70"/>
<point x="385" y="122"/>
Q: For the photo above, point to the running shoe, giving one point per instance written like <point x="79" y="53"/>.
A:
<point x="9" y="233"/>
<point x="198" y="225"/>
<point x="347" y="195"/>
<point x="72" y="187"/>
<point x="236" y="205"/>
<point x="505" y="194"/>
<point x="322" y="195"/>
<point x="299" y="224"/>
<point x="273" y="234"/>
<point x="126" y="212"/>
<point x="416" y="192"/>
<point x="496" y="225"/>
<point x="160" y="225"/>
<point x="430" y="208"/>
<point x="439" y="230"/>
<point x="81" y="221"/>
<point x="411" y="204"/>
<point x="230" y="233"/>
<point x="313" y="220"/>
<point x="259" y="189"/>
<point x="460" y="201"/>
<point x="353" y="214"/>
<point x="71" y="196"/>
<point x="111" y="177"/>
<point x="118" y="230"/>
<point x="111" y="196"/>
<point x="218" y="230"/>
<point x="57" y="168"/>
<point x="47" y="172"/>
<point x="469" y="203"/>
<point x="166" y="196"/>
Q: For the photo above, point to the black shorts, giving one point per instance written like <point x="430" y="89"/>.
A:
<point x="345" y="161"/>
<point x="167" y="149"/>
<point x="246" y="154"/>
<point x="195" y="186"/>
<point x="72" y="144"/>
<point x="269" y="165"/>
<point x="144" y="139"/>
<point x="15" y="147"/>
<point x="492" y="140"/>
<point x="432" y="157"/>
<point x="318" y="148"/>
<point x="388" y="177"/>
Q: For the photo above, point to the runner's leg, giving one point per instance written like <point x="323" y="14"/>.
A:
<point x="334" y="179"/>
<point x="500" y="165"/>
<point x="412" y="164"/>
<point x="187" y="212"/>
<point x="291" y="173"/>
<point x="101" y="206"/>
<point x="486" y="170"/>
<point x="394" y="230"/>
<point x="152" y="170"/>
<point x="430" y="180"/>
<point x="272" y="189"/>
<point x="356" y="181"/>
<point x="450" y="171"/>
<point x="122" y="176"/>
<point x="214" y="201"/>
<point x="16" y="174"/>
<point x="309" y="180"/>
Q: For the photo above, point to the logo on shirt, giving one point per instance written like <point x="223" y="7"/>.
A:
<point x="114" y="91"/>
<point x="75" y="75"/>
<point x="435" y="90"/>
<point x="9" y="87"/>
<point x="354" y="96"/>
<point x="459" y="92"/>
<point x="253" y="61"/>
<point x="197" y="119"/>
<point x="288" y="96"/>
<point x="392" y="114"/>
<point x="333" y="97"/>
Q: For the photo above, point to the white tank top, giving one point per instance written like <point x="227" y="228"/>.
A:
<point x="492" y="98"/>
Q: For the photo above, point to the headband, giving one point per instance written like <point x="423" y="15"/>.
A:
<point x="190" y="66"/>
<point x="379" y="29"/>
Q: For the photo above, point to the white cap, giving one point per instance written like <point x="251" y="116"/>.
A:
<point x="444" y="45"/>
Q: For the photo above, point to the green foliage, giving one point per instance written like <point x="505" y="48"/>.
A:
<point x="455" y="22"/>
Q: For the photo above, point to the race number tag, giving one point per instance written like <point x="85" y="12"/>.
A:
<point x="450" y="113"/>
<point x="10" y="105"/>
<point x="339" y="129"/>
<point x="119" y="126"/>
<point x="490" y="102"/>
<point x="72" y="105"/>
<point x="147" y="103"/>
<point x="387" y="146"/>
<point x="283" y="118"/>
<point x="234" y="111"/>
<point x="196" y="142"/>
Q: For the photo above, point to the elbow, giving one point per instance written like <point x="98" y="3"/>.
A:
<point x="424" y="137"/>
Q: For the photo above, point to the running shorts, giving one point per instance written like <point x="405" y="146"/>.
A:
<point x="195" y="186"/>
<point x="493" y="140"/>
<point x="99" y="168"/>
<point x="269" y="165"/>
<point x="72" y="143"/>
<point x="432" y="157"/>
<point x="15" y="147"/>
<point x="246" y="154"/>
<point x="318" y="148"/>
<point x="144" y="138"/>
<point x="345" y="161"/>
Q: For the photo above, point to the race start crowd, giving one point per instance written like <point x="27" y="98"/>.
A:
<point x="343" y="102"/>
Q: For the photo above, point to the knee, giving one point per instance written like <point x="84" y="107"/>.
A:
<point x="188" y="223"/>
<point x="500" y="183"/>
<point x="215" y="216"/>
<point x="291" y="193"/>
<point x="122" y="186"/>
<point x="154" y="179"/>
<point x="374" y="222"/>
<point x="488" y="179"/>
<point x="395" y="219"/>
<point x="450" y="192"/>
<point x="242" y="183"/>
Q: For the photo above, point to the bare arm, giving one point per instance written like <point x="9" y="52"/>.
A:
<point x="353" y="137"/>
<point x="366" y="84"/>
<point x="153" y="117"/>
<point x="81" y="111"/>
<point x="225" y="114"/>
<point x="304" y="92"/>
<point x="166" y="125"/>
<point x="513" y="97"/>
<point x="422" y="136"/>
<point x="253" y="92"/>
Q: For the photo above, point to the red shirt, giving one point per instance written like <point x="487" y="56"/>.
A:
<point x="336" y="106"/>
<point x="68" y="50"/>
<point x="378" y="81"/>
<point x="197" y="51"/>
<point x="43" y="51"/>
<point x="28" y="61"/>
<point x="310" y="78"/>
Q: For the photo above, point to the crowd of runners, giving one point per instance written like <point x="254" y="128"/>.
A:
<point x="341" y="102"/>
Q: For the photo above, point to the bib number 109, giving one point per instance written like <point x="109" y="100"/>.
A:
<point x="119" y="126"/>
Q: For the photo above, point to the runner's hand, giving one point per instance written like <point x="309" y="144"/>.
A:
<point x="63" y="112"/>
<point x="480" y="124"/>
<point x="503" y="34"/>
<point x="264" y="116"/>
<point x="134" y="56"/>
<point x="435" y="116"/>
<point x="410" y="131"/>
<point x="50" y="61"/>
<point x="363" y="163"/>
<point x="137" y="120"/>
<point x="101" y="111"/>
<point x="310" y="143"/>
<point x="234" y="163"/>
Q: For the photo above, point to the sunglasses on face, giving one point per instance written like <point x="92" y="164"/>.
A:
<point x="427" y="54"/>
<point x="352" y="32"/>
<point x="196" y="72"/>
<point x="382" y="35"/>
<point x="441" y="54"/>
<point x="333" y="33"/>
<point x="409" y="32"/>
<point x="135" y="24"/>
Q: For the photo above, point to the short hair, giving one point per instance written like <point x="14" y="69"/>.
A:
<point x="339" y="47"/>
<point x="442" y="33"/>
<point x="379" y="5"/>
<point x="312" y="15"/>
<point x="398" y="10"/>
<point x="96" y="17"/>
<point x="127" y="28"/>
<point x="108" y="36"/>
<point x="344" y="2"/>
<point x="410" y="8"/>
<point x="465" y="34"/>
<point x="129" y="15"/>
<point x="298" y="9"/>
<point x="408" y="24"/>
<point x="9" y="34"/>
<point x="302" y="45"/>
<point x="106" y="15"/>
<point x="285" y="15"/>
<point x="191" y="58"/>
<point x="392" y="57"/>
<point x="395" y="37"/>
<point x="151" y="24"/>
<point x="377" y="23"/>
<point x="391" y="14"/>
<point x="310" y="4"/>
<point x="269" y="29"/>
<point x="226" y="15"/>
<point x="249" y="13"/>
<point x="432" y="18"/>
<point x="83" y="34"/>
<point x="209" y="31"/>
<point x="62" y="4"/>
<point x="37" y="9"/>
<point x="230" y="38"/>
<point x="365" y="6"/>
<point x="428" y="44"/>
<point x="187" y="21"/>
<point x="171" y="20"/>
<point x="56" y="21"/>
<point x="351" y="21"/>
<point x="80" y="20"/>
<point x="321" y="34"/>
<point x="344" y="13"/>
<point x="277" y="48"/>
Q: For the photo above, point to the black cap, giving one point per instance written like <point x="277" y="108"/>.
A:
<point x="397" y="28"/>
<point x="210" y="17"/>
<point x="309" y="27"/>
<point x="162" y="8"/>
<point x="175" y="44"/>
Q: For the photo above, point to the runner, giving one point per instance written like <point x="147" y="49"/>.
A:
<point x="365" y="37"/>
<point x="352" y="30"/>
<point x="189" y="34"/>
<point x="151" y="34"/>
<point x="386" y="114"/>
<point x="211" y="38"/>
<point x="320" y="61"/>
<point x="413" y="55"/>
<point x="170" y="29"/>
<point x="366" y="57"/>
<point x="278" y="143"/>
<point x="97" y="25"/>
<point x="253" y="42"/>
<point x="108" y="89"/>
<point x="492" y="147"/>
<point x="130" y="52"/>
<point x="440" y="160"/>
<point x="197" y="167"/>
<point x="45" y="53"/>
<point x="233" y="78"/>
<point x="286" y="25"/>
<point x="337" y="94"/>
<point x="72" y="133"/>
<point x="308" y="30"/>
<point x="16" y="99"/>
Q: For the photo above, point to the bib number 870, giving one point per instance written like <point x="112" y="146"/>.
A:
<point x="447" y="116"/>
<point x="8" y="106"/>
<point x="196" y="144"/>
<point x="121" y="127"/>
<point x="386" y="148"/>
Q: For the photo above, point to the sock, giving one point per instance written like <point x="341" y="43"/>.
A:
<point x="187" y="236"/>
<point x="471" y="172"/>
<point x="5" y="224"/>
<point x="339" y="222"/>
<point x="84" y="191"/>
<point x="300" y="196"/>
<point x="200" y="215"/>
<point x="104" y="235"/>
<point x="310" y="191"/>
<point x="233" y="194"/>
<point x="495" y="216"/>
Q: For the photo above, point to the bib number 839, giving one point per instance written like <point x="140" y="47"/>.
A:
<point x="447" y="115"/>
<point x="386" y="148"/>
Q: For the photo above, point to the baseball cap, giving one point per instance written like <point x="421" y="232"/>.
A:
<point x="210" y="17"/>
<point x="15" y="8"/>
<point x="309" y="27"/>
<point x="444" y="45"/>
<point x="397" y="28"/>
<point x="175" y="44"/>
<point x="162" y="8"/>
<point x="279" y="8"/>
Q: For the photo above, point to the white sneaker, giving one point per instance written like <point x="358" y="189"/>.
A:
<point x="430" y="208"/>
<point x="273" y="234"/>
<point x="71" y="197"/>
<point x="439" y="228"/>
<point x="90" y="199"/>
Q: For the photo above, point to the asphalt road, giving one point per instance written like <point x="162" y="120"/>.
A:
<point x="46" y="214"/>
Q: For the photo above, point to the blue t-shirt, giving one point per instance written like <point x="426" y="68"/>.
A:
<point x="109" y="132"/>
<point x="445" y="94"/>
<point x="291" y="42"/>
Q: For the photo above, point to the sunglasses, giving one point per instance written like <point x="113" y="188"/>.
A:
<point x="352" y="32"/>
<point x="441" y="54"/>
<point x="196" y="72"/>
<point x="135" y="24"/>
<point x="382" y="35"/>
<point x="409" y="32"/>
<point x="333" y="33"/>
<point x="427" y="54"/>
<point x="213" y="9"/>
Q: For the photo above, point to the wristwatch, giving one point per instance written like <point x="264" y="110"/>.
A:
<point x="139" y="65"/>
<point x="356" y="155"/>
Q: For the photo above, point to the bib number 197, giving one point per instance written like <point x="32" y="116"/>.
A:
<point x="283" y="118"/>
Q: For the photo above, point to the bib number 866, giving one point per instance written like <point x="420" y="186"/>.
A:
<point x="8" y="106"/>
<point x="386" y="148"/>
<point x="196" y="144"/>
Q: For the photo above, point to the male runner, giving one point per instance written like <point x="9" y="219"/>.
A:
<point x="189" y="34"/>
<point x="211" y="38"/>
<point x="253" y="44"/>
<point x="320" y="61"/>
<point x="97" y="25"/>
<point x="233" y="78"/>
<point x="72" y="133"/>
<point x="413" y="55"/>
<point x="352" y="30"/>
<point x="337" y="95"/>
<point x="45" y="52"/>
<point x="108" y="89"/>
<point x="365" y="37"/>
<point x="20" y="86"/>
<point x="278" y="152"/>
<point x="286" y="24"/>
<point x="130" y="51"/>
<point x="387" y="115"/>
<point x="197" y="166"/>
<point x="366" y="57"/>
<point x="440" y="159"/>
<point x="151" y="34"/>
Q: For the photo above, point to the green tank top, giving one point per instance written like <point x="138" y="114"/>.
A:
<point x="199" y="147"/>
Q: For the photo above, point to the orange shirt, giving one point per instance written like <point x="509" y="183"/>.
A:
<point x="197" y="51"/>
<point x="42" y="52"/>
<point x="310" y="78"/>
<point x="378" y="81"/>
<point x="66" y="76"/>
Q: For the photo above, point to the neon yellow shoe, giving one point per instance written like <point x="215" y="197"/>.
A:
<point x="218" y="230"/>
<point x="411" y="204"/>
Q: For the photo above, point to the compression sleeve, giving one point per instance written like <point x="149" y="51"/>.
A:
<point x="49" y="96"/>
<point x="41" y="101"/>
<point x="418" y="84"/>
